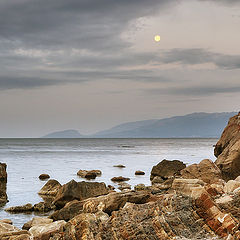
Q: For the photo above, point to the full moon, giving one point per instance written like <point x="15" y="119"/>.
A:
<point x="157" y="38"/>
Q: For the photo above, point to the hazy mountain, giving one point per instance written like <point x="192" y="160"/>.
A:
<point x="64" y="134"/>
<point x="202" y="125"/>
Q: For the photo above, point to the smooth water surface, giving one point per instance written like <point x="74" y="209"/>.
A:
<point x="62" y="158"/>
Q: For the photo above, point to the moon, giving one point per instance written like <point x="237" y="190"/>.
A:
<point x="157" y="38"/>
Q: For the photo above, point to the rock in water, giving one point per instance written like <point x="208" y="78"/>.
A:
<point x="120" y="179"/>
<point x="79" y="191"/>
<point x="3" y="183"/>
<point x="227" y="149"/>
<point x="139" y="172"/>
<point x="44" y="176"/>
<point x="206" y="171"/>
<point x="51" y="188"/>
<point x="167" y="169"/>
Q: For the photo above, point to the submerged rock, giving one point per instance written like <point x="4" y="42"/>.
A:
<point x="120" y="179"/>
<point x="139" y="172"/>
<point x="43" y="176"/>
<point x="119" y="166"/>
<point x="20" y="209"/>
<point x="227" y="149"/>
<point x="92" y="174"/>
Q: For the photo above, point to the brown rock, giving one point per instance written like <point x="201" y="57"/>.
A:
<point x="124" y="186"/>
<point x="20" y="209"/>
<point x="3" y="182"/>
<point x="206" y="171"/>
<point x="50" y="188"/>
<point x="230" y="186"/>
<point x="36" y="221"/>
<point x="45" y="231"/>
<point x="79" y="191"/>
<point x="44" y="176"/>
<point x="92" y="174"/>
<point x="8" y="221"/>
<point x="227" y="149"/>
<point x="109" y="203"/>
<point x="6" y="228"/>
<point x="139" y="173"/>
<point x="167" y="169"/>
<point x="43" y="207"/>
<point x="119" y="166"/>
<point x="120" y="179"/>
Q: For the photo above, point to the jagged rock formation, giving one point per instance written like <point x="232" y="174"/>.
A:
<point x="3" y="184"/>
<point x="227" y="149"/>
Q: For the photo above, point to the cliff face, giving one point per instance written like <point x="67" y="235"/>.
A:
<point x="227" y="149"/>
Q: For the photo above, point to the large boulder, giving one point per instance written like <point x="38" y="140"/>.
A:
<point x="227" y="149"/>
<point x="36" y="221"/>
<point x="167" y="169"/>
<point x="79" y="191"/>
<point x="51" y="188"/>
<point x="3" y="184"/>
<point x="108" y="203"/>
<point x="206" y="171"/>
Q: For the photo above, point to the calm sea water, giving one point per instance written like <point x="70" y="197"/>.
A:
<point x="62" y="158"/>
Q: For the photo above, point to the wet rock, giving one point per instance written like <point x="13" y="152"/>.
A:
<point x="120" y="179"/>
<point x="79" y="191"/>
<point x="230" y="186"/>
<point x="139" y="173"/>
<point x="43" y="176"/>
<point x="36" y="221"/>
<point x="109" y="203"/>
<point x="43" y="207"/>
<point x="167" y="169"/>
<point x="140" y="187"/>
<point x="119" y="166"/>
<point x="111" y="188"/>
<point x="124" y="186"/>
<point x="20" y="209"/>
<point x="227" y="150"/>
<point x="206" y="170"/>
<point x="92" y="174"/>
<point x="45" y="231"/>
<point x="51" y="188"/>
<point x="8" y="221"/>
<point x="3" y="182"/>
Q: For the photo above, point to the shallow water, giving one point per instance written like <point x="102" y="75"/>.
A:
<point x="62" y="158"/>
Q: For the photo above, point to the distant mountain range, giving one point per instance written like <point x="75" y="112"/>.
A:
<point x="195" y="125"/>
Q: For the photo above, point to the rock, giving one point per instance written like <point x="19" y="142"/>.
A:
<point x="186" y="186"/>
<point x="8" y="221"/>
<point x="21" y="236"/>
<point x="224" y="200"/>
<point x="140" y="187"/>
<point x="120" y="179"/>
<point x="124" y="186"/>
<point x="139" y="173"/>
<point x="109" y="203"/>
<point x="167" y="169"/>
<point x="167" y="218"/>
<point x="92" y="174"/>
<point x="79" y="191"/>
<point x="43" y="207"/>
<point x="20" y="209"/>
<point x="44" y="176"/>
<point x="230" y="186"/>
<point x="157" y="180"/>
<point x="227" y="150"/>
<point x="111" y="188"/>
<point x="5" y="228"/>
<point x="51" y="188"/>
<point x="119" y="166"/>
<point x="45" y="231"/>
<point x="36" y="221"/>
<point x="237" y="179"/>
<point x="15" y="235"/>
<point x="3" y="182"/>
<point x="206" y="171"/>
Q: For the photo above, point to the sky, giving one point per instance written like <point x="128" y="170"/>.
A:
<point x="92" y="64"/>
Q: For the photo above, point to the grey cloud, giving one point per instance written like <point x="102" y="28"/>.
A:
<point x="199" y="56"/>
<point x="193" y="91"/>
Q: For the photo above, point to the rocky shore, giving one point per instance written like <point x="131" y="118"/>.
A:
<point x="199" y="201"/>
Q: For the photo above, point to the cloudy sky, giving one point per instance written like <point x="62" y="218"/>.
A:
<point x="92" y="64"/>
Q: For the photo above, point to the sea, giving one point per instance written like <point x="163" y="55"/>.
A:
<point x="26" y="159"/>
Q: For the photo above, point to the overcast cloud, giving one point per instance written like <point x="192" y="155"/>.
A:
<point x="99" y="53"/>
